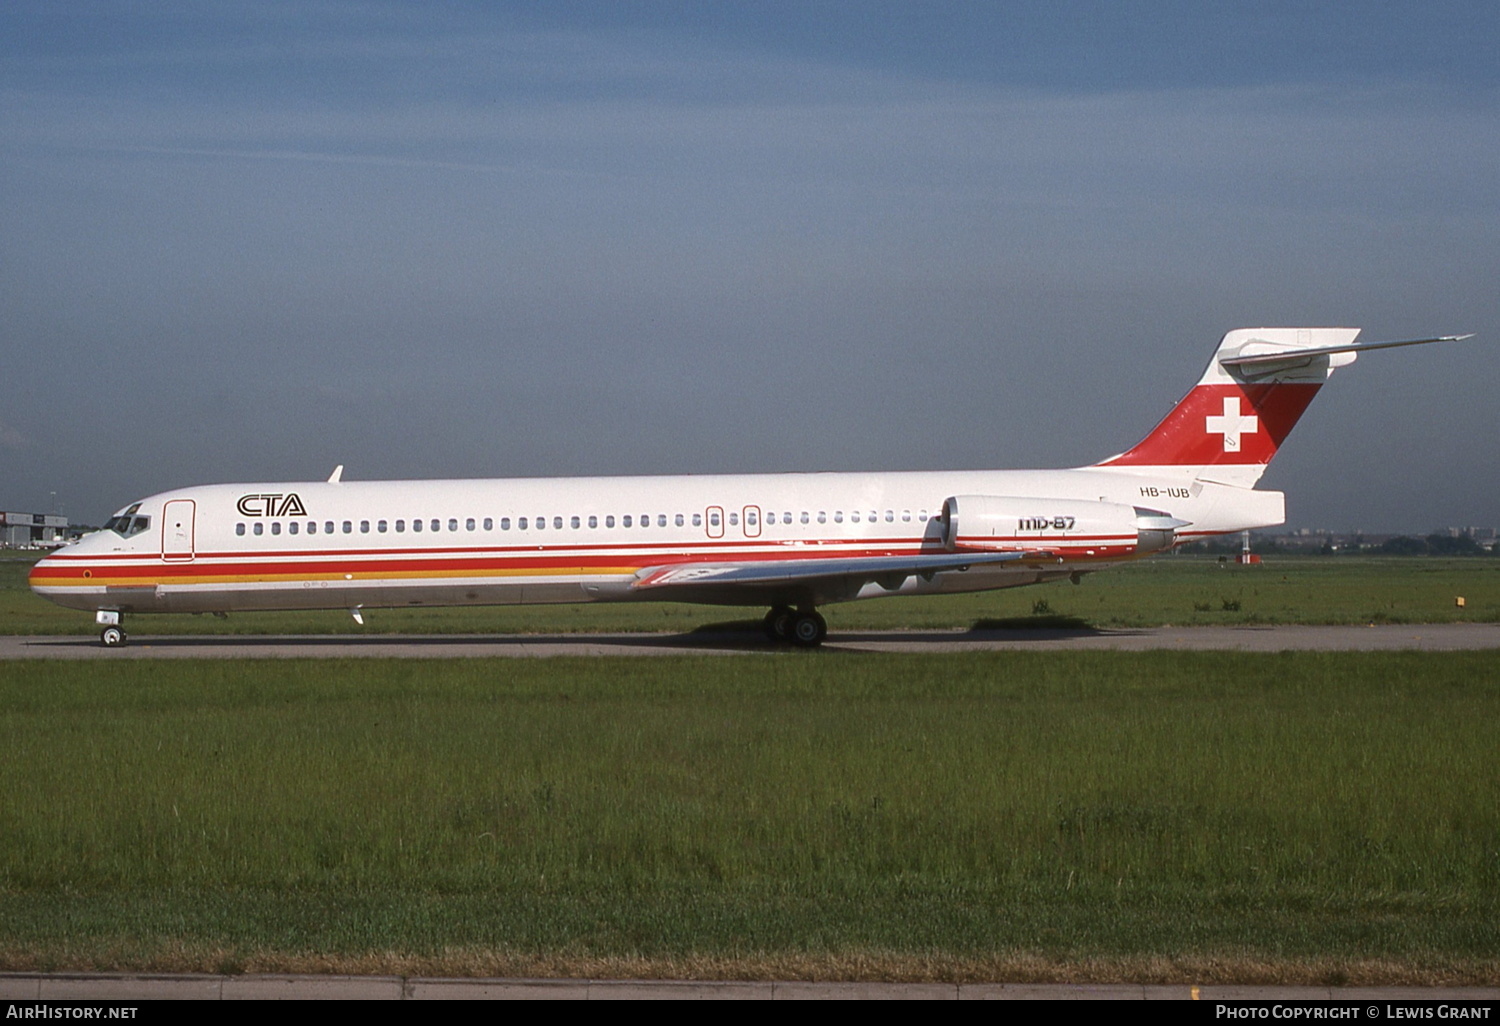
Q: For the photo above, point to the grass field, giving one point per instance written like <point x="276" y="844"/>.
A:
<point x="1165" y="590"/>
<point x="1299" y="817"/>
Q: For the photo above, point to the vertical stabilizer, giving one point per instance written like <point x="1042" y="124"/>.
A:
<point x="1256" y="387"/>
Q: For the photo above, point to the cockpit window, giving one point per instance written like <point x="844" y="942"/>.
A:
<point x="127" y="522"/>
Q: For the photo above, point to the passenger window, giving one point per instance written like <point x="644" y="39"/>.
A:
<point x="505" y="523"/>
<point x="557" y="523"/>
<point x="750" y="519"/>
<point x="734" y="520"/>
<point x="520" y="523"/>
<point x="312" y="527"/>
<point x="416" y="525"/>
<point x="489" y="523"/>
<point x="805" y="517"/>
<point x="625" y="521"/>
<point x="922" y="515"/>
<point x="259" y="529"/>
<point x="661" y="520"/>
<point x="890" y="516"/>
<point x="381" y="526"/>
<point x="645" y="519"/>
<point x="453" y="524"/>
<point x="575" y="523"/>
<point x="609" y="521"/>
<point x="401" y="527"/>
<point x="239" y="529"/>
<point x="348" y="527"/>
<point x="697" y="519"/>
<point x="364" y="527"/>
<point x="679" y="521"/>
<point x="906" y="516"/>
<point x="541" y="523"/>
<point x="822" y="517"/>
<point x="713" y="519"/>
<point x="291" y="528"/>
<point x="854" y="516"/>
<point x="276" y="527"/>
<point x="328" y="527"/>
<point x="593" y="522"/>
<point x="838" y="516"/>
<point x="469" y="524"/>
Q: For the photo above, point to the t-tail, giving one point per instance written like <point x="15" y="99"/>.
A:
<point x="1233" y="421"/>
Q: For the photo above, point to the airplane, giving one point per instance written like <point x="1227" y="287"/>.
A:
<point x="789" y="542"/>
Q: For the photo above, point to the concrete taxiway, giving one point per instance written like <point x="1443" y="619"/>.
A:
<point x="1380" y="637"/>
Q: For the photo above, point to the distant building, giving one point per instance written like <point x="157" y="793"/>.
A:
<point x="1312" y="540"/>
<point x="32" y="530"/>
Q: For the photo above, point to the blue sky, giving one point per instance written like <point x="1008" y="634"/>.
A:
<point x="248" y="241"/>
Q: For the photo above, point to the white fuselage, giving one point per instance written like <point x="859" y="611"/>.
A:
<point x="326" y="545"/>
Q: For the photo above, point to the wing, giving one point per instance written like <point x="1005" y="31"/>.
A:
<point x="806" y="580"/>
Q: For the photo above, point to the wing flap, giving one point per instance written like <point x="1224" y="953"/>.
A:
<point x="811" y="572"/>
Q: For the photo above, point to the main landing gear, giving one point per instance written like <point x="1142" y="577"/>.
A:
<point x="801" y="627"/>
<point x="110" y="632"/>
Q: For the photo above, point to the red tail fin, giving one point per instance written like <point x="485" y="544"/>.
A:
<point x="1240" y="412"/>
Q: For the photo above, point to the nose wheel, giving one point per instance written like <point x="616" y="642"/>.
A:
<point x="111" y="633"/>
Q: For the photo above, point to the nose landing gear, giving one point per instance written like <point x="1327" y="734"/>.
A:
<point x="111" y="634"/>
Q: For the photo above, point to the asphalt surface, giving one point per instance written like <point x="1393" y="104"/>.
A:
<point x="1383" y="637"/>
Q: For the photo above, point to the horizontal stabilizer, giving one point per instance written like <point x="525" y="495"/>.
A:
<point x="1292" y="355"/>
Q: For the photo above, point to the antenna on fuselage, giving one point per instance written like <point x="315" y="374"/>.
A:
<point x="337" y="475"/>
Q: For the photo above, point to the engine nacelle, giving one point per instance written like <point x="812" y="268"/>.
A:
<point x="1067" y="527"/>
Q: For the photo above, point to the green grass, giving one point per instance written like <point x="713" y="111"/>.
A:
<point x="1166" y="590"/>
<point x="971" y="815"/>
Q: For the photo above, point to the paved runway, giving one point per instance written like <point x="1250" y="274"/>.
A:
<point x="1423" y="637"/>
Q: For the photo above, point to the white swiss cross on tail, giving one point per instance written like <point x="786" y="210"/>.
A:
<point x="1231" y="424"/>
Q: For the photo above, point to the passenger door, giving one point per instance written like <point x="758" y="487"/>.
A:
<point x="177" y="530"/>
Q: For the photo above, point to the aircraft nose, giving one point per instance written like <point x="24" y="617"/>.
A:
<point x="36" y="577"/>
<point x="40" y="569"/>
